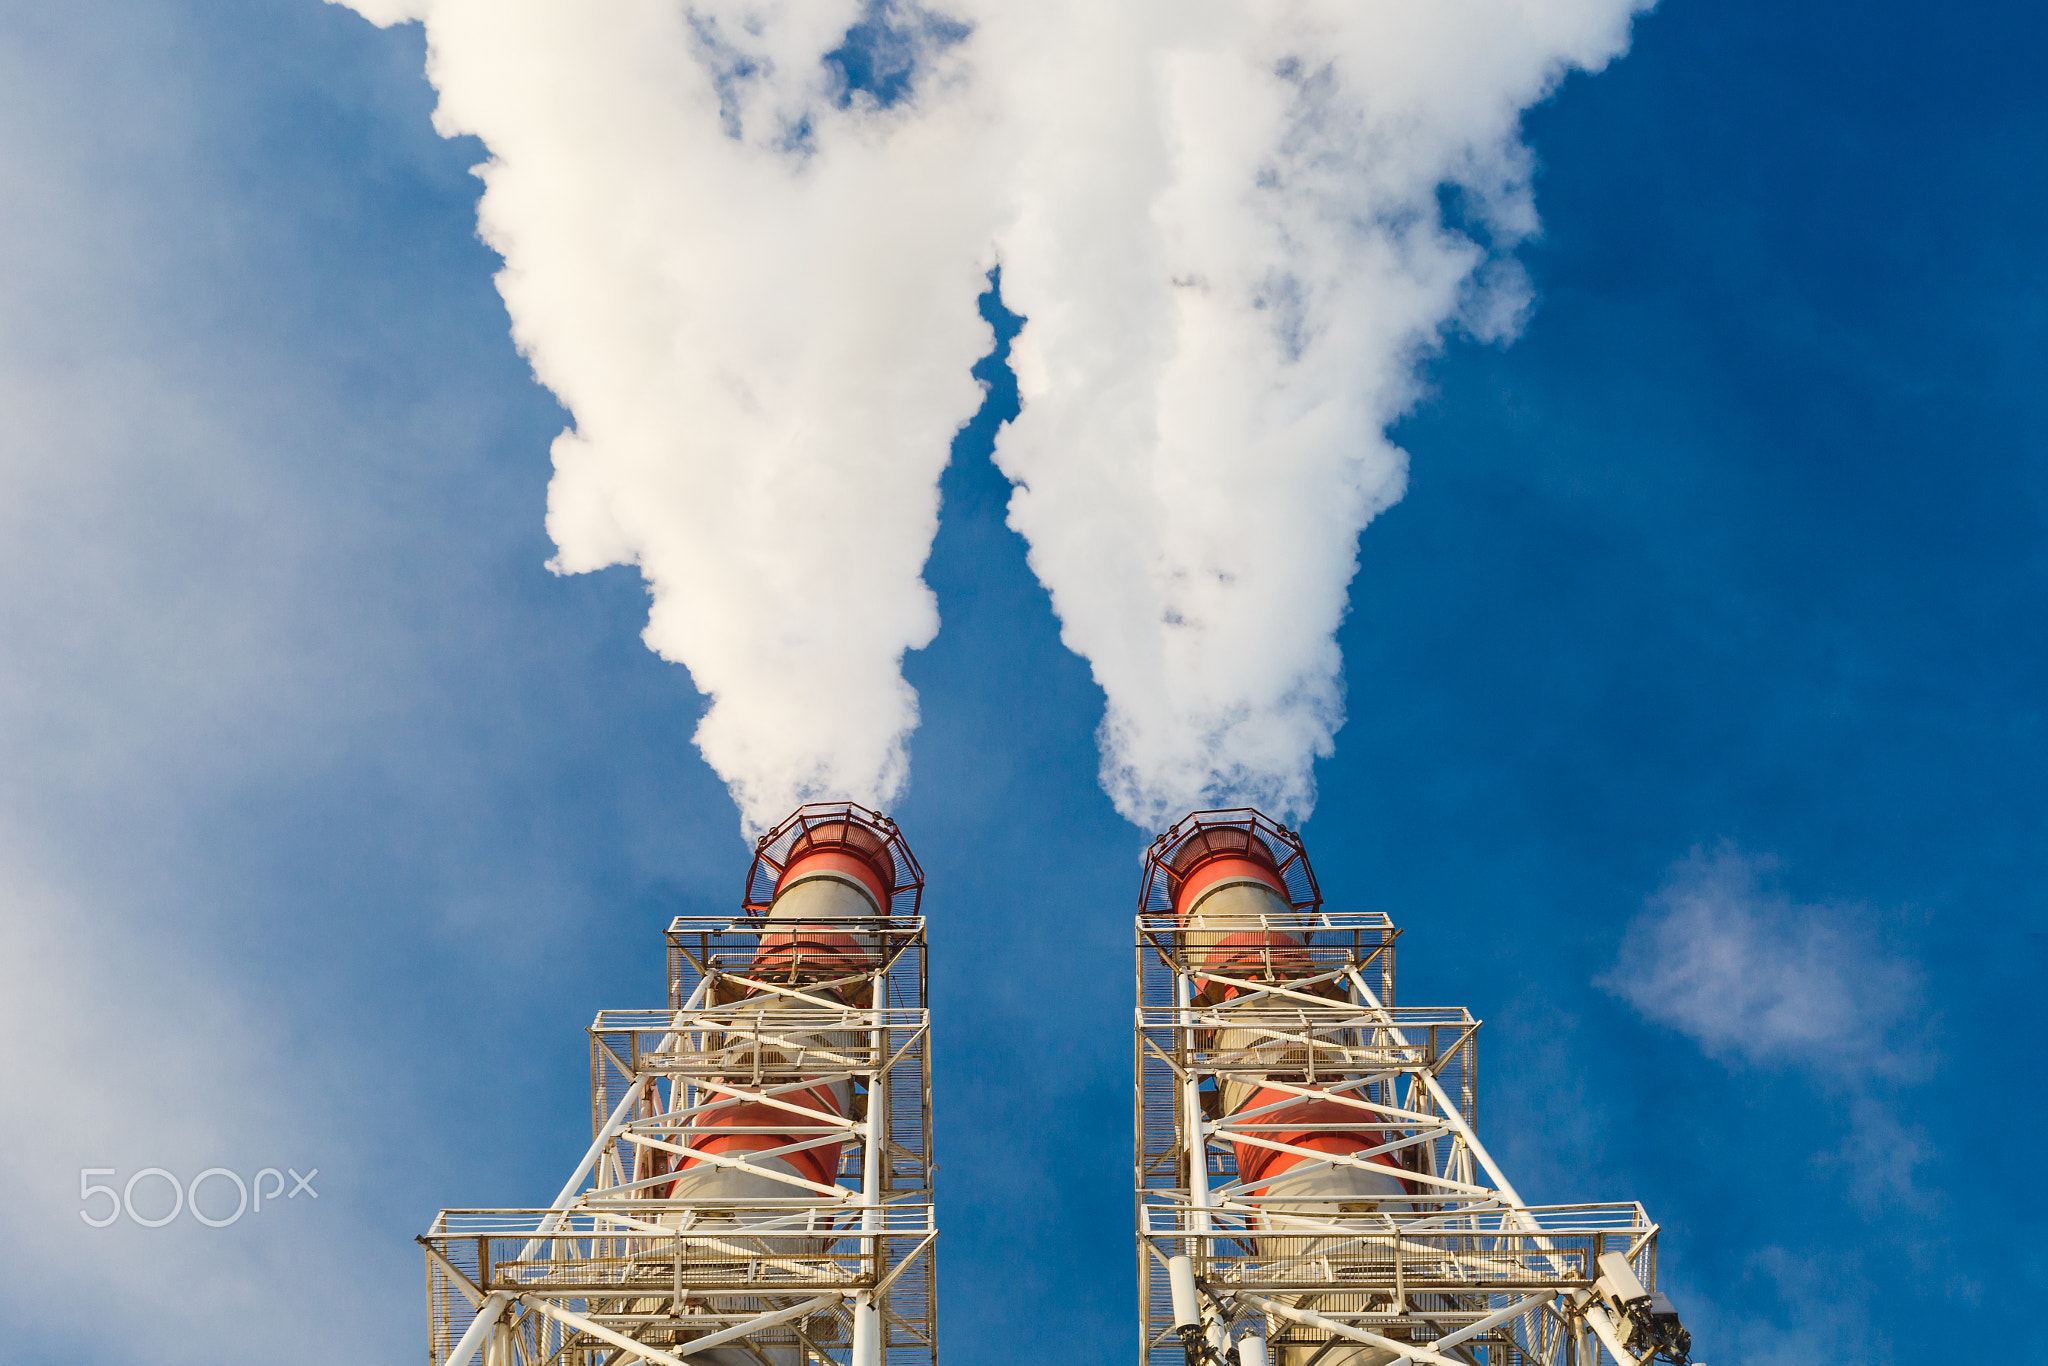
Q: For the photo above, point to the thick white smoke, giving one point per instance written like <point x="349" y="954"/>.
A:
<point x="756" y="296"/>
<point x="1232" y="257"/>
<point x="1223" y="220"/>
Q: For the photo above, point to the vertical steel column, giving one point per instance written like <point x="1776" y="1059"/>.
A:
<point x="867" y="1315"/>
<point x="1198" y="1143"/>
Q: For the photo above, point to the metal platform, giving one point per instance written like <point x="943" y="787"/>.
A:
<point x="620" y="1270"/>
<point x="1458" y="1270"/>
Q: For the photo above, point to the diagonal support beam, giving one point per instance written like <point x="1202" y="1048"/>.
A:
<point x="1338" y="1159"/>
<point x="721" y="1160"/>
<point x="470" y="1290"/>
<point x="1492" y="1321"/>
<point x="1308" y="1318"/>
<point x="471" y="1342"/>
<point x="659" y="1357"/>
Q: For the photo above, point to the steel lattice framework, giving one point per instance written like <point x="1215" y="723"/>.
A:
<point x="621" y="1270"/>
<point x="1458" y="1271"/>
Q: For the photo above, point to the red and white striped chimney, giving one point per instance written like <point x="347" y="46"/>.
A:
<point x="1241" y="888"/>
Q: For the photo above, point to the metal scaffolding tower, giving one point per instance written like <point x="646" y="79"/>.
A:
<point x="1311" y="1188"/>
<point x="758" y="1188"/>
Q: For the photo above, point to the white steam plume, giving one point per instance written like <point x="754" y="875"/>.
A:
<point x="755" y="293"/>
<point x="1223" y="220"/>
<point x="1231" y="256"/>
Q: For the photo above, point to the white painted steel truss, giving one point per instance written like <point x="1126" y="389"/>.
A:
<point x="1459" y="1271"/>
<point x="797" y="1271"/>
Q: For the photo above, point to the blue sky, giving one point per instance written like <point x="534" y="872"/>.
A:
<point x="328" y="817"/>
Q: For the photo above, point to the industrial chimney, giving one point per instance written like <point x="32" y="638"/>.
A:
<point x="1311" y="1188"/>
<point x="758" y="1187"/>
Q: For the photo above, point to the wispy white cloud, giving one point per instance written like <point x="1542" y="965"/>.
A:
<point x="1882" y="1155"/>
<point x="1800" y="1304"/>
<point x="1723" y="956"/>
<point x="202" y="586"/>
<point x="1802" y="1307"/>
<point x="124" y="1052"/>
<point x="146" y="677"/>
<point x="1727" y="958"/>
